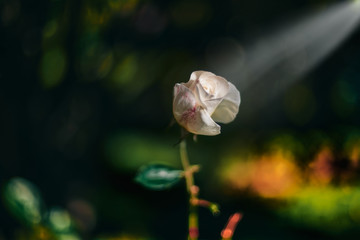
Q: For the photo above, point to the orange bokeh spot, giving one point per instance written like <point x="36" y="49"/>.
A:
<point x="276" y="175"/>
<point x="321" y="170"/>
<point x="272" y="175"/>
<point x="226" y="233"/>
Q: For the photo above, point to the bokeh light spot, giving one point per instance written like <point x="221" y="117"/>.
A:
<point x="276" y="175"/>
<point x="191" y="14"/>
<point x="23" y="200"/>
<point x="354" y="208"/>
<point x="325" y="208"/>
<point x="321" y="169"/>
<point x="150" y="20"/>
<point x="271" y="175"/>
<point x="52" y="67"/>
<point x="68" y="236"/>
<point x="10" y="11"/>
<point x="50" y="29"/>
<point x="59" y="219"/>
<point x="344" y="98"/>
<point x="131" y="151"/>
<point x="83" y="214"/>
<point x="125" y="71"/>
<point x="105" y="65"/>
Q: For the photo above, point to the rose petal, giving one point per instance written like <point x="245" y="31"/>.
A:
<point x="190" y="115"/>
<point x="184" y="100"/>
<point x="214" y="86"/>
<point x="207" y="103"/>
<point x="208" y="80"/>
<point x="194" y="79"/>
<point x="202" y="124"/>
<point x="204" y="99"/>
<point x="209" y="89"/>
<point x="227" y="110"/>
<point x="196" y="74"/>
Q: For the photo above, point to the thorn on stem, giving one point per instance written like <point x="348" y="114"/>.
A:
<point x="213" y="207"/>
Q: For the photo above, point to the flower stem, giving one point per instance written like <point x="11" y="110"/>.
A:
<point x="193" y="192"/>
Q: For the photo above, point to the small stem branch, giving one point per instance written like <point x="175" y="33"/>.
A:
<point x="228" y="232"/>
<point x="192" y="190"/>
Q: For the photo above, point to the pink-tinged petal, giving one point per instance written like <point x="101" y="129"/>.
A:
<point x="184" y="100"/>
<point x="227" y="110"/>
<point x="199" y="122"/>
<point x="204" y="99"/>
<point x="190" y="115"/>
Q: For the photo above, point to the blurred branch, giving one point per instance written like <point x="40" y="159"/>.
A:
<point x="228" y="232"/>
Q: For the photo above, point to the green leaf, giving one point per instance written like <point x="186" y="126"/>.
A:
<point x="158" y="177"/>
<point x="23" y="200"/>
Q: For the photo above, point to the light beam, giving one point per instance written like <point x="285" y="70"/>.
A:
<point x="274" y="62"/>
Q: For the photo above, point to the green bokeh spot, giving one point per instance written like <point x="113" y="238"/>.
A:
<point x="330" y="209"/>
<point x="53" y="66"/>
<point x="59" y="220"/>
<point x="130" y="151"/>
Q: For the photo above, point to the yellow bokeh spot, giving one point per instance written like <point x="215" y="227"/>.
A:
<point x="125" y="71"/>
<point x="105" y="65"/>
<point x="276" y="175"/>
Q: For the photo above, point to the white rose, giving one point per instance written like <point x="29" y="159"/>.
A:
<point x="204" y="100"/>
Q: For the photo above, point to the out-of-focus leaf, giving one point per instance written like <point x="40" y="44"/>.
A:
<point x="158" y="177"/>
<point x="59" y="220"/>
<point x="23" y="200"/>
<point x="128" y="151"/>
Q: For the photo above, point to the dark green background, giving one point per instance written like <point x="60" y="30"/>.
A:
<point x="86" y="97"/>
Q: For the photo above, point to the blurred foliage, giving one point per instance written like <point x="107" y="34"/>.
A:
<point x="23" y="199"/>
<point x="130" y="151"/>
<point x="321" y="193"/>
<point x="329" y="208"/>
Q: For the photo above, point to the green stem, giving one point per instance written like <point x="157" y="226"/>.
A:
<point x="192" y="190"/>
